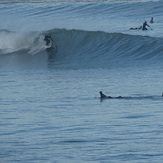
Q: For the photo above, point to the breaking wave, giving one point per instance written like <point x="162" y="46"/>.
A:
<point x="84" y="49"/>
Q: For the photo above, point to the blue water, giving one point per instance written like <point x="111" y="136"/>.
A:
<point x="50" y="110"/>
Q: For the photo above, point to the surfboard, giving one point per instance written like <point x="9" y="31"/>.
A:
<point x="49" y="46"/>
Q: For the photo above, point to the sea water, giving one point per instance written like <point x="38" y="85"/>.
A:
<point x="50" y="110"/>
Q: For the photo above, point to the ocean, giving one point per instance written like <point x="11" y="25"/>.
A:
<point x="50" y="107"/>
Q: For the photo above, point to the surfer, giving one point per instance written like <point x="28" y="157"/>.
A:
<point x="151" y="21"/>
<point x="145" y="25"/>
<point x="48" y="38"/>
<point x="103" y="96"/>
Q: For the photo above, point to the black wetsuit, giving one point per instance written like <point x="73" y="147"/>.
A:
<point x="144" y="26"/>
<point x="47" y="39"/>
<point x="104" y="96"/>
<point x="151" y="21"/>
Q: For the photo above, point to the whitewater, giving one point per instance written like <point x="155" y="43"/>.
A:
<point x="50" y="107"/>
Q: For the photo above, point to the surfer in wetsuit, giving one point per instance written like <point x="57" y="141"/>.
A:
<point x="144" y="26"/>
<point x="151" y="21"/>
<point x="104" y="96"/>
<point x="48" y="38"/>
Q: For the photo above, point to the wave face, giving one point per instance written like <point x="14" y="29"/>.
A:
<point x="85" y="49"/>
<point x="87" y="35"/>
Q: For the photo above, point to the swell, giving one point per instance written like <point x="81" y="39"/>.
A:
<point x="84" y="49"/>
<point x="109" y="16"/>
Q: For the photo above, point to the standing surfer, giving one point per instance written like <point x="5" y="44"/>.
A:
<point x="145" y="25"/>
<point x="48" y="38"/>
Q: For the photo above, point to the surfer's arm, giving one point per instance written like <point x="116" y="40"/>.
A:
<point x="51" y="38"/>
<point x="148" y="25"/>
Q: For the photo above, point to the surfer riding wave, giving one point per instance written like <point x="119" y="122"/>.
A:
<point x="48" y="39"/>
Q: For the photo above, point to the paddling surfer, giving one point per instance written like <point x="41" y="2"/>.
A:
<point x="103" y="96"/>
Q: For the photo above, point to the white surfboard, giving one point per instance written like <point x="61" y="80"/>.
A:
<point x="49" y="46"/>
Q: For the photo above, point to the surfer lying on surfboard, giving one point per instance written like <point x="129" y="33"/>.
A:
<point x="48" y="38"/>
<point x="103" y="96"/>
